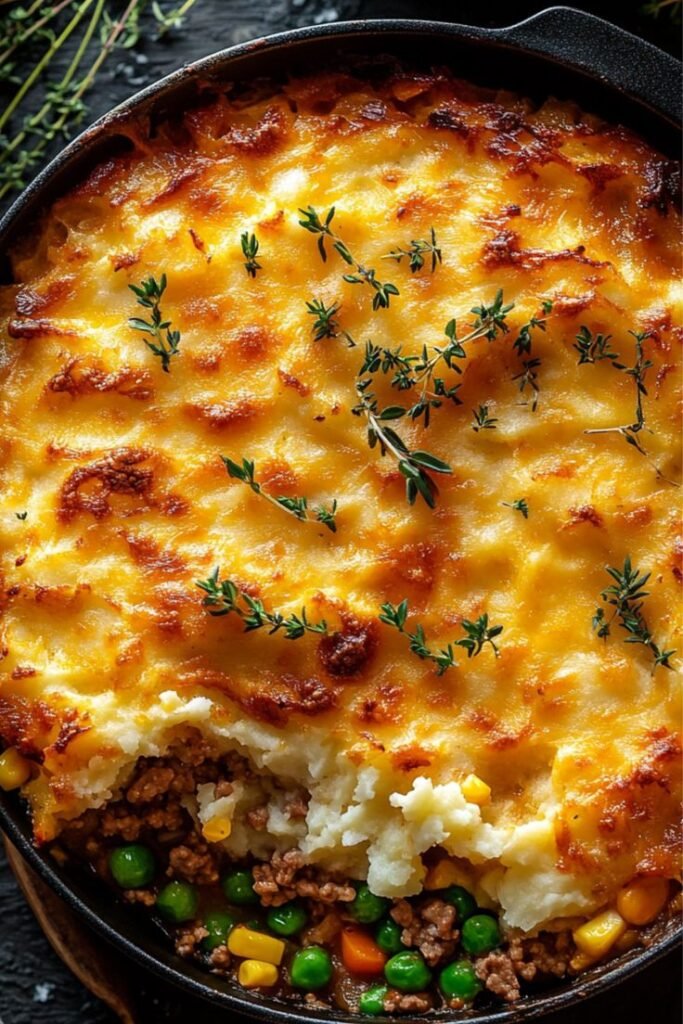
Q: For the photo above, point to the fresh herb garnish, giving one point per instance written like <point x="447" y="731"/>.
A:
<point x="656" y="7"/>
<point x="419" y="248"/>
<point x="482" y="420"/>
<point x="85" y="28"/>
<point x="250" y="247"/>
<point x="364" y="275"/>
<point x="519" y="505"/>
<point x="626" y="596"/>
<point x="416" y="465"/>
<point x="478" y="633"/>
<point x="522" y="343"/>
<point x="489" y="322"/>
<point x="410" y="371"/>
<point x="385" y="359"/>
<point x="631" y="431"/>
<point x="528" y="379"/>
<point x="593" y="348"/>
<point x="21" y="515"/>
<point x="149" y="294"/>
<point x="298" y="507"/>
<point x="223" y="597"/>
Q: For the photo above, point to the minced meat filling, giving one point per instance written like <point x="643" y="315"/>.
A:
<point x="289" y="927"/>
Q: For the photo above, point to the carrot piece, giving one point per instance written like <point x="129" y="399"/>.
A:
<point x="360" y="953"/>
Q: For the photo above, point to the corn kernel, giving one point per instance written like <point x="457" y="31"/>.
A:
<point x="253" y="945"/>
<point x="216" y="829"/>
<point x="444" y="873"/>
<point x="580" y="961"/>
<point x="475" y="790"/>
<point x="596" y="937"/>
<point x="15" y="770"/>
<point x="640" y="901"/>
<point x="257" y="974"/>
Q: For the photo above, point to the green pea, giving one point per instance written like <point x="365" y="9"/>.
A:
<point x="407" y="972"/>
<point x="177" y="902"/>
<point x="459" y="981"/>
<point x="287" y="920"/>
<point x="480" y="934"/>
<point x="311" y="968"/>
<point x="238" y="887"/>
<point x="463" y="901"/>
<point x="388" y="936"/>
<point x="367" y="908"/>
<point x="218" y="924"/>
<point x="371" y="1001"/>
<point x="132" y="866"/>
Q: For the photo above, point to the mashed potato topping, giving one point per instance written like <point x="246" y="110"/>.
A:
<point x="107" y="651"/>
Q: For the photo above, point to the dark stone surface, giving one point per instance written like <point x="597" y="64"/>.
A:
<point x="35" y="988"/>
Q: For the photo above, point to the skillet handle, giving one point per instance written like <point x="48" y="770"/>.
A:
<point x="582" y="40"/>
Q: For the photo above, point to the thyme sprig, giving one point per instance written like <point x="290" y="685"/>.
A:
<point x="63" y="105"/>
<point x="656" y="7"/>
<point x="418" y="249"/>
<point x="631" y="432"/>
<point x="519" y="505"/>
<point x="414" y="465"/>
<point x="250" y="247"/>
<point x="149" y="294"/>
<point x="326" y="324"/>
<point x="528" y="376"/>
<point x="478" y="633"/>
<point x="409" y="371"/>
<point x="522" y="343"/>
<point x="363" y="275"/>
<point x="528" y="380"/>
<point x="594" y="348"/>
<point x="626" y="596"/>
<point x="297" y="507"/>
<point x="489" y="322"/>
<point x="223" y="597"/>
<point x="482" y="420"/>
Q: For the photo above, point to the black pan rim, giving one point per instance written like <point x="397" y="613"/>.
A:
<point x="13" y="819"/>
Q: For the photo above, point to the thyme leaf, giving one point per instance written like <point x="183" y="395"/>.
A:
<point x="149" y="294"/>
<point x="297" y="507"/>
<point x="482" y="420"/>
<point x="223" y="597"/>
<point x="519" y="505"/>
<point x="23" y="516"/>
<point x="626" y="595"/>
<point x="250" y="247"/>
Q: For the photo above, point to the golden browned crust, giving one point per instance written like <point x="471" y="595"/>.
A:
<point x="118" y="464"/>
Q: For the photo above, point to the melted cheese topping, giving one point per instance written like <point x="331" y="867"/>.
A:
<point x="107" y="652"/>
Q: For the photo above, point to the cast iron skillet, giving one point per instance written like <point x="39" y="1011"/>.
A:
<point x="560" y="51"/>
